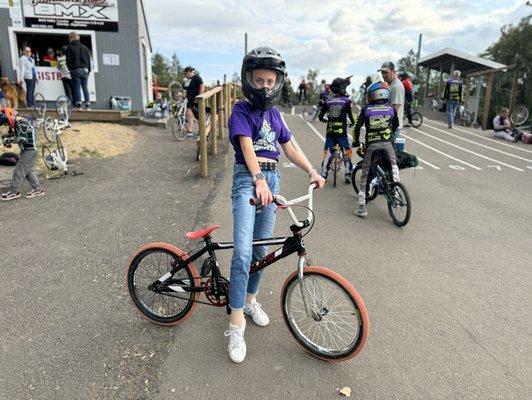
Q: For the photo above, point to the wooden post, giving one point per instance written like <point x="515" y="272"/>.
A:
<point x="466" y="93"/>
<point x="234" y="95"/>
<point x="227" y="102"/>
<point x="221" y="132"/>
<point x="203" y="138"/>
<point x="487" y="98"/>
<point x="514" y="89"/>
<point x="214" y="114"/>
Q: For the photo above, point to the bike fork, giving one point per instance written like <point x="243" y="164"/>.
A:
<point x="300" y="266"/>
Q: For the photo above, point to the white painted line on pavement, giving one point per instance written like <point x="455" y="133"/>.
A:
<point x="314" y="129"/>
<point x="429" y="164"/>
<point x="498" y="141"/>
<point x="298" y="148"/>
<point x="468" y="151"/>
<point x="442" y="153"/>
<point x="479" y="144"/>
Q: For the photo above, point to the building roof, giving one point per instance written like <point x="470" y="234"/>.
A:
<point x="464" y="62"/>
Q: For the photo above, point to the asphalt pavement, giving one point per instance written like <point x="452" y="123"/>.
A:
<point x="448" y="295"/>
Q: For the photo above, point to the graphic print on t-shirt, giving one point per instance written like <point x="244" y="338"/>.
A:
<point x="266" y="140"/>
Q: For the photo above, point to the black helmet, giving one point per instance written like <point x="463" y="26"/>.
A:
<point x="339" y="85"/>
<point x="262" y="58"/>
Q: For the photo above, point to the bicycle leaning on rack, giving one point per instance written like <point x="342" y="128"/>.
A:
<point x="381" y="182"/>
<point x="323" y="312"/>
<point x="462" y="116"/>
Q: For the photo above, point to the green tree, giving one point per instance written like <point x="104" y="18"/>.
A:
<point x="175" y="70"/>
<point x="513" y="47"/>
<point x="312" y="79"/>
<point x="161" y="68"/>
<point x="408" y="63"/>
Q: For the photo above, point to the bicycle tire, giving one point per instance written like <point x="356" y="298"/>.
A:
<point x="404" y="198"/>
<point x="356" y="175"/>
<point x="46" y="153"/>
<point x="178" y="129"/>
<point x="335" y="170"/>
<point x="164" y="255"/>
<point x="467" y="119"/>
<point x="63" y="107"/>
<point x="356" y="316"/>
<point x="308" y="113"/>
<point x="417" y="119"/>
<point x="174" y="88"/>
<point x="39" y="105"/>
<point x="519" y="115"/>
<point x="47" y="129"/>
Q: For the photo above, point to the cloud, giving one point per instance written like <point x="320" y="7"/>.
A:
<point x="338" y="38"/>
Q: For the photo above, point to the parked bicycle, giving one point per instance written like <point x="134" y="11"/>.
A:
<point x="519" y="115"/>
<point x="381" y="182"/>
<point x="462" y="116"/>
<point x="310" y="113"/>
<point x="323" y="312"/>
<point x="56" y="158"/>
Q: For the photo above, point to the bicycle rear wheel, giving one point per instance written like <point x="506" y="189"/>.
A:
<point x="178" y="129"/>
<point x="308" y="113"/>
<point x="163" y="303"/>
<point x="39" y="105"/>
<point x="335" y="170"/>
<point x="399" y="205"/>
<point x="338" y="326"/>
<point x="519" y="115"/>
<point x="356" y="175"/>
<point x="48" y="132"/>
<point x="417" y="119"/>
<point x="466" y="119"/>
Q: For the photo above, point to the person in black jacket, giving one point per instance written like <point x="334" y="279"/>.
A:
<point x="79" y="63"/>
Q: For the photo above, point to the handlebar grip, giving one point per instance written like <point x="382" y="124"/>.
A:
<point x="254" y="201"/>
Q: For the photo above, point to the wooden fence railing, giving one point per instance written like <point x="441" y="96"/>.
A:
<point x="220" y="100"/>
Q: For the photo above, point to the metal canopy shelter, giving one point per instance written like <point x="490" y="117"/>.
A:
<point x="448" y="60"/>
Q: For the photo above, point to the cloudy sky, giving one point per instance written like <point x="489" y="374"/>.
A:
<point x="338" y="37"/>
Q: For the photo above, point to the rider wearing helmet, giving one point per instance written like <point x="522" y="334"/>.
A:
<point x="380" y="120"/>
<point x="255" y="130"/>
<point x="338" y="109"/>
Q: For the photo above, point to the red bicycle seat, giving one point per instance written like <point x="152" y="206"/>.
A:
<point x="202" y="233"/>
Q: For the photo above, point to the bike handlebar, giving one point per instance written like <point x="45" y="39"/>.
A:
<point x="282" y="203"/>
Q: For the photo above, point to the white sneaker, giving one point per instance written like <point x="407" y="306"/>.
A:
<point x="255" y="311"/>
<point x="237" y="345"/>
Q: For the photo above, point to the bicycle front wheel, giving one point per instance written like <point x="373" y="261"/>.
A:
<point x="338" y="326"/>
<point x="417" y="119"/>
<point x="168" y="302"/>
<point x="178" y="129"/>
<point x="308" y="113"/>
<point x="63" y="107"/>
<point x="399" y="204"/>
<point x="175" y="91"/>
<point x="47" y="157"/>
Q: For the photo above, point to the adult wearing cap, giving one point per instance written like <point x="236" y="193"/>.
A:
<point x="397" y="92"/>
<point x="194" y="87"/>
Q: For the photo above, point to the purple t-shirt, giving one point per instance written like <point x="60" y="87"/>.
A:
<point x="265" y="128"/>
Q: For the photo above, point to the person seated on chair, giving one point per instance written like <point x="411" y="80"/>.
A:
<point x="338" y="109"/>
<point x="502" y="127"/>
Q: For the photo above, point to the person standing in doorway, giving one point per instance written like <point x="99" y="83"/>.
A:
<point x="453" y="96"/>
<point x="194" y="88"/>
<point x="28" y="74"/>
<point x="78" y="60"/>
<point x="397" y="93"/>
<point x="65" y="74"/>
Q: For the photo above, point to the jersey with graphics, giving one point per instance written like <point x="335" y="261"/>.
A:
<point x="453" y="89"/>
<point x="265" y="128"/>
<point x="380" y="120"/>
<point x="338" y="109"/>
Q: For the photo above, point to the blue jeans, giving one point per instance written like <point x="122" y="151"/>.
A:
<point x="80" y="78"/>
<point x="452" y="105"/>
<point x="30" y="91"/>
<point x="248" y="225"/>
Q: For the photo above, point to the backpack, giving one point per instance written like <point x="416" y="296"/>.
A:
<point x="9" y="159"/>
<point x="406" y="160"/>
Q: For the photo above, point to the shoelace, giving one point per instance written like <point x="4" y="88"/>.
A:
<point x="236" y="336"/>
<point x="254" y="308"/>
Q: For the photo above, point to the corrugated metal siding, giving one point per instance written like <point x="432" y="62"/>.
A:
<point x="122" y="80"/>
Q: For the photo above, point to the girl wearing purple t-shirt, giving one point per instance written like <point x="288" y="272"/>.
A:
<point x="256" y="130"/>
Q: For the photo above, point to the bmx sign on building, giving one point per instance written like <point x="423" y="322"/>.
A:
<point x="97" y="15"/>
